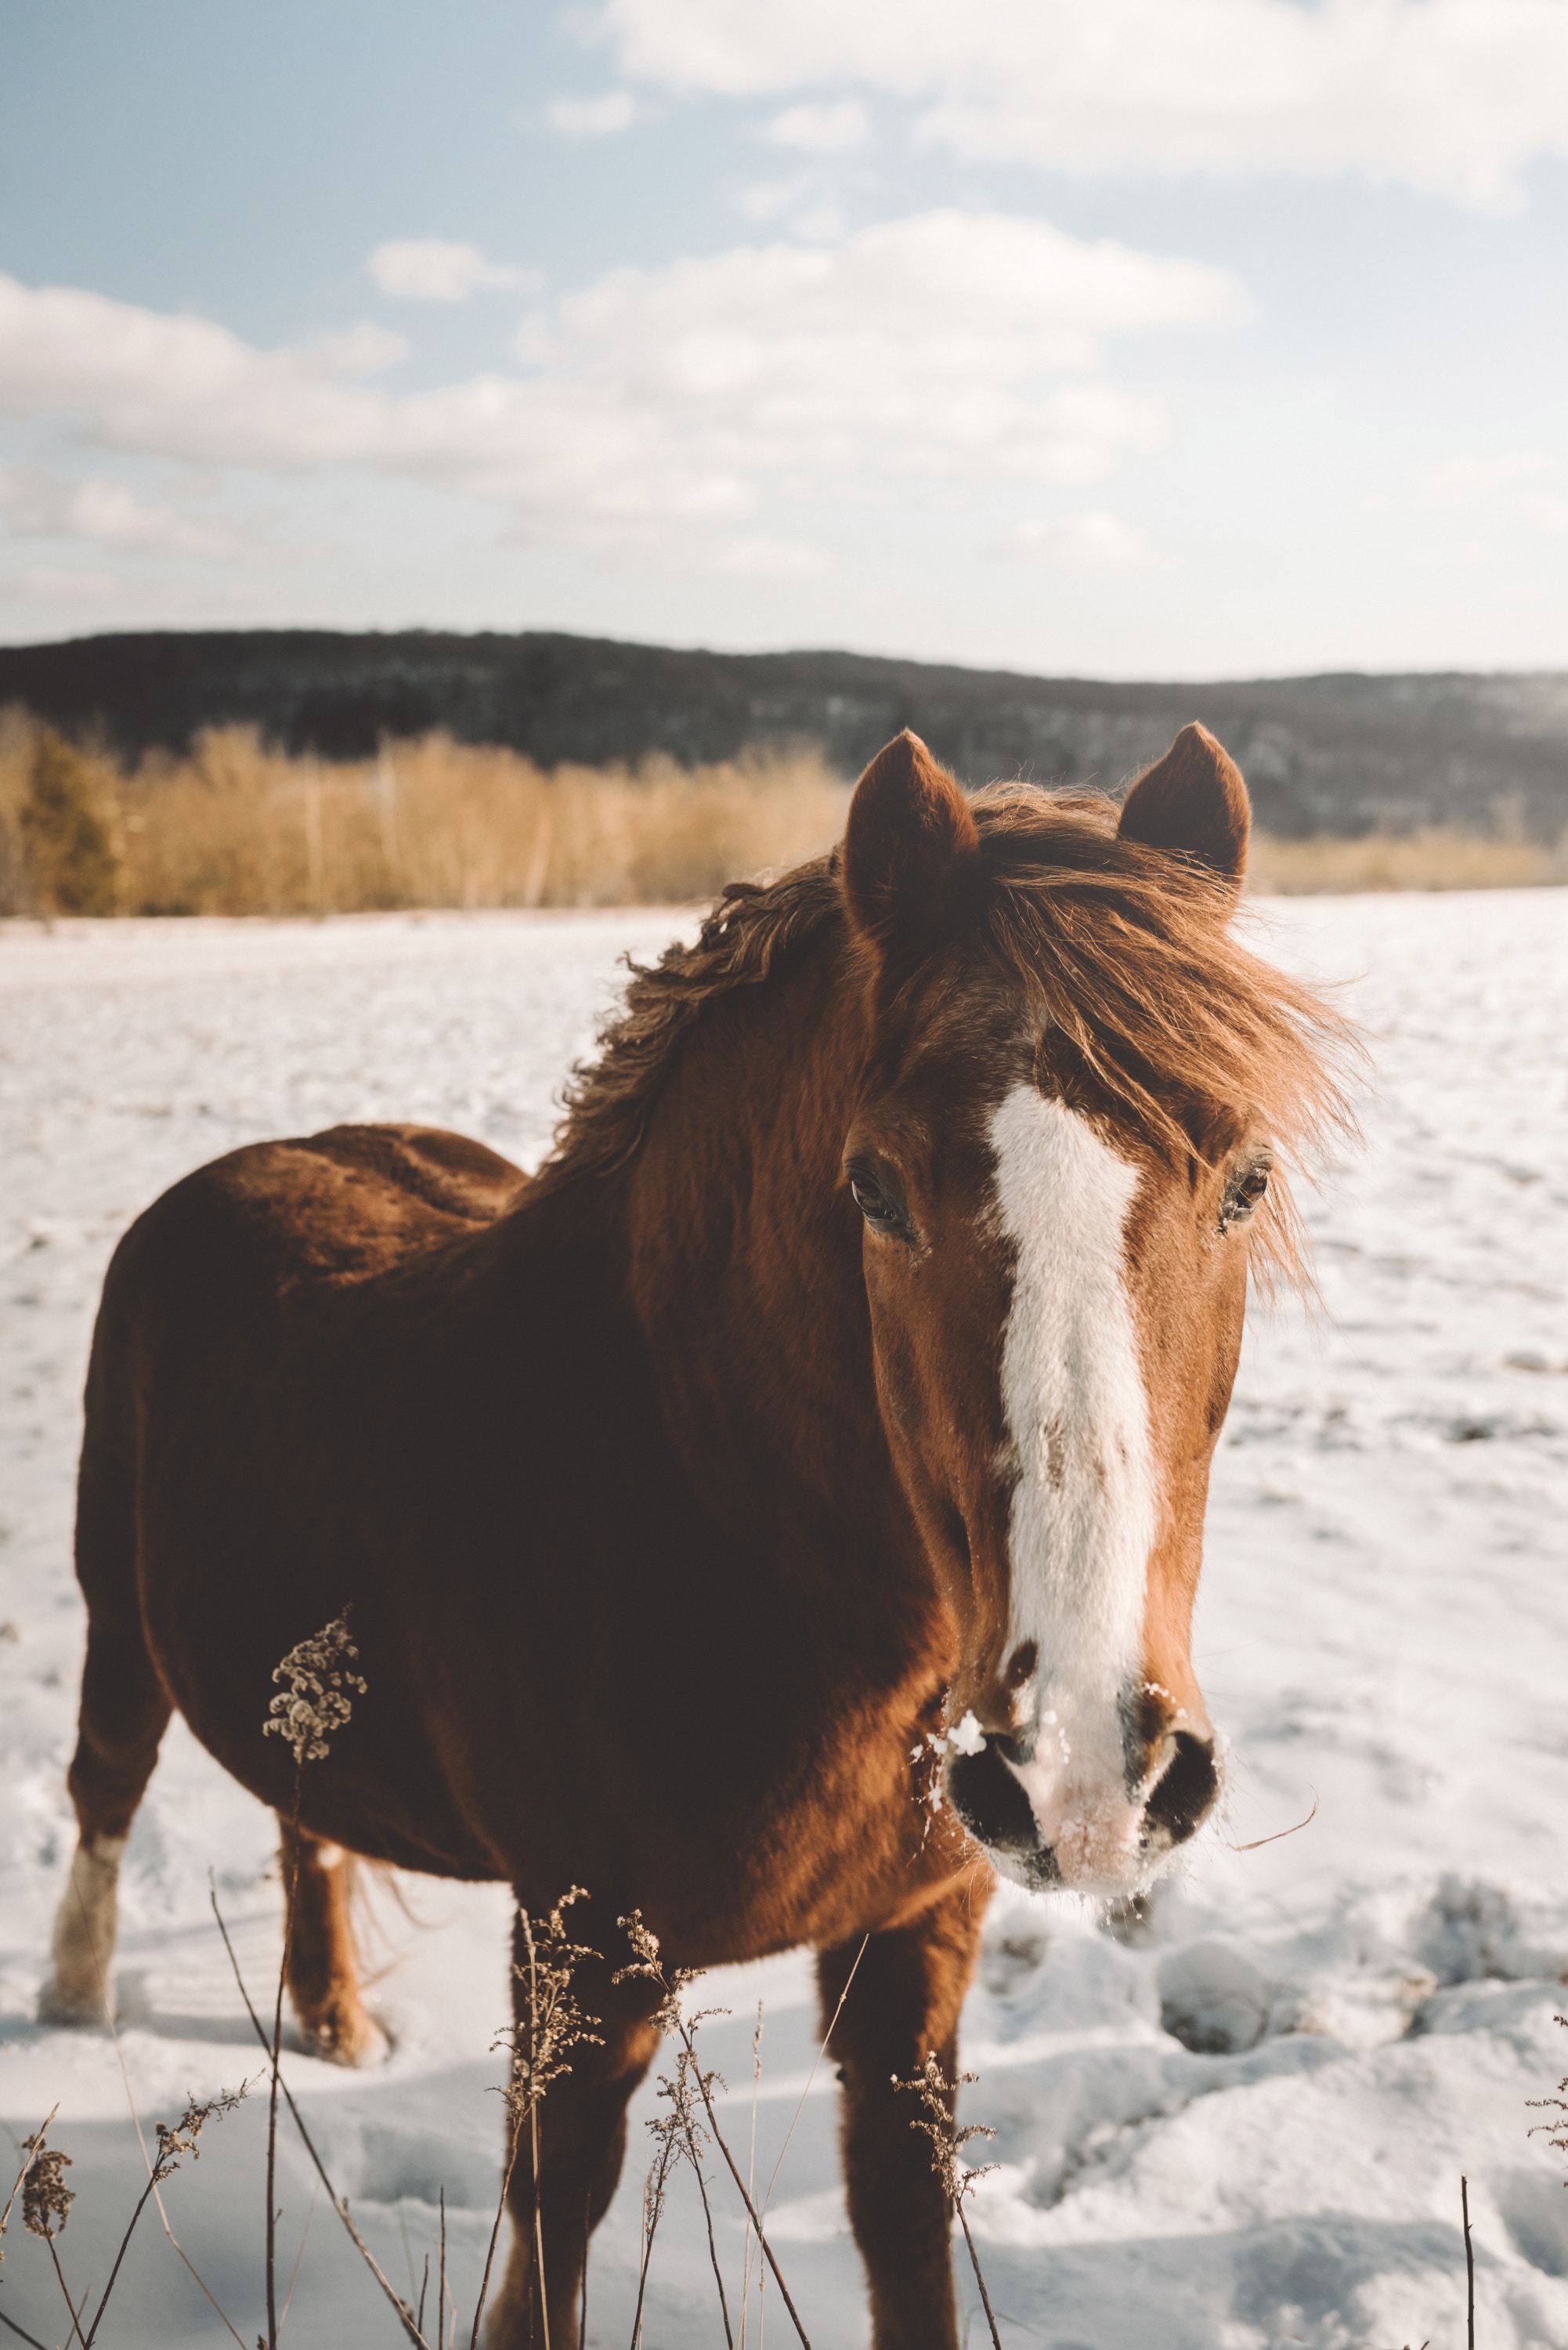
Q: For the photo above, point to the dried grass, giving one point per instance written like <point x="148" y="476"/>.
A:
<point x="1436" y="857"/>
<point x="235" y="828"/>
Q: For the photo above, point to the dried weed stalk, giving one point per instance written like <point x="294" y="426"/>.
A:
<point x="647" y="1965"/>
<point x="956" y="2177"/>
<point x="679" y="2136"/>
<point x="29" y="2145"/>
<point x="47" y="2204"/>
<point x="306" y="1714"/>
<point x="175" y="2140"/>
<point x="45" y="2199"/>
<point x="1555" y="2133"/>
<point x="339" y="2203"/>
<point x="539" y="2040"/>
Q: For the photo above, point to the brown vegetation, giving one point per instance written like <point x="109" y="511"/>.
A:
<point x="1437" y="856"/>
<point x="237" y="828"/>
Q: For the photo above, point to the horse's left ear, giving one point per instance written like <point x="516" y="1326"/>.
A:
<point x="1193" y="804"/>
<point x="908" y="844"/>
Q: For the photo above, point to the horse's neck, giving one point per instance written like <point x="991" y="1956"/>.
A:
<point x="745" y="1264"/>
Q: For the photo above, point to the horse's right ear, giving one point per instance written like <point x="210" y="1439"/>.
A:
<point x="908" y="846"/>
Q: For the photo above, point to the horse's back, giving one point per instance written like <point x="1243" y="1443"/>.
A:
<point x="340" y="1205"/>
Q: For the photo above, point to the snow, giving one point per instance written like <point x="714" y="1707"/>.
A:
<point x="1237" y="2122"/>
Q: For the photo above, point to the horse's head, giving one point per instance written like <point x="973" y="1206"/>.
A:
<point x="1064" y="1155"/>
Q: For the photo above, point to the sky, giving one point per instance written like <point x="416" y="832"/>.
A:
<point x="1121" y="338"/>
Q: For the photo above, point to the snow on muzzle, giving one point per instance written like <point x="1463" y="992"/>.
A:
<point x="1051" y="1815"/>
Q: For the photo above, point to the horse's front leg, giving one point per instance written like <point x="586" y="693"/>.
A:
<point x="581" y="2142"/>
<point x="902" y="2006"/>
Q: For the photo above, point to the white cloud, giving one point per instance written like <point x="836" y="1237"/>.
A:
<point x="911" y="360"/>
<point x="183" y="387"/>
<point x="1526" y="486"/>
<point x="1450" y="97"/>
<point x="811" y="210"/>
<point x="1094" y="541"/>
<point x="435" y="269"/>
<point x="107" y="513"/>
<point x="829" y="128"/>
<point x="592" y="118"/>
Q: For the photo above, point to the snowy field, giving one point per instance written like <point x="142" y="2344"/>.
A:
<point x="1243" y="2129"/>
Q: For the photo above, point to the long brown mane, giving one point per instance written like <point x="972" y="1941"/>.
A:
<point x="1125" y="951"/>
<point x="753" y="931"/>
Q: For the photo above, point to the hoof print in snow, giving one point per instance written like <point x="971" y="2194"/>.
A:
<point x="1213" y="1998"/>
<point x="1007" y="1961"/>
<point x="1472" y="1933"/>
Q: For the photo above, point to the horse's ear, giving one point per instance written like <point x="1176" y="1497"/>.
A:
<point x="908" y="844"/>
<point x="1193" y="804"/>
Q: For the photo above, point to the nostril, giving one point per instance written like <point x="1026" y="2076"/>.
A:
<point x="1186" y="1791"/>
<point x="990" y="1802"/>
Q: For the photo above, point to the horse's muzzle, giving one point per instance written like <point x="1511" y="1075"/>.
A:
<point x="994" y="1805"/>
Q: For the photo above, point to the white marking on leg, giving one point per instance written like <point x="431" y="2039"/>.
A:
<point x="85" y="1927"/>
<point x="1084" y="1508"/>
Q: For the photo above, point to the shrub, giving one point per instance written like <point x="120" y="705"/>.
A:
<point x="67" y="846"/>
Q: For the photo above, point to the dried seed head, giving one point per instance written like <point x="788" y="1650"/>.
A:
<point x="648" y="1966"/>
<point x="551" y="2021"/>
<point x="313" y="1707"/>
<point x="939" y="2124"/>
<point x="46" y="2197"/>
<point x="180" y="2138"/>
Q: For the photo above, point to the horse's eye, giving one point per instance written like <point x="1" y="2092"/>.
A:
<point x="874" y="1205"/>
<point x="1244" y="1191"/>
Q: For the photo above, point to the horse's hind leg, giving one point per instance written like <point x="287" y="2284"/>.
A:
<point x="124" y="1713"/>
<point x="323" y="1964"/>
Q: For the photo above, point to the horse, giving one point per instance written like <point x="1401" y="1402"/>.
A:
<point x="776" y="1515"/>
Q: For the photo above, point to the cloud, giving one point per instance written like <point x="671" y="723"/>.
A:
<point x="1094" y="541"/>
<point x="108" y="513"/>
<point x="183" y="387"/>
<point x="435" y="269"/>
<point x="592" y="118"/>
<point x="912" y="360"/>
<point x="811" y="210"/>
<point x="830" y="127"/>
<point x="1526" y="486"/>
<point x="1454" y="98"/>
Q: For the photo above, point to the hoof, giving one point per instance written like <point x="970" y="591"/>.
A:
<point x="356" y="2041"/>
<point x="80" y="2007"/>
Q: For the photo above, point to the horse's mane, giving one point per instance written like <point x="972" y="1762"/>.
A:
<point x="1125" y="951"/>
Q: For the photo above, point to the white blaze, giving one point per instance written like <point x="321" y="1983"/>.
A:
<point x="1084" y="1509"/>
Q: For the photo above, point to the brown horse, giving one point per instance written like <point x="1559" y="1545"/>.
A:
<point x="840" y="1395"/>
